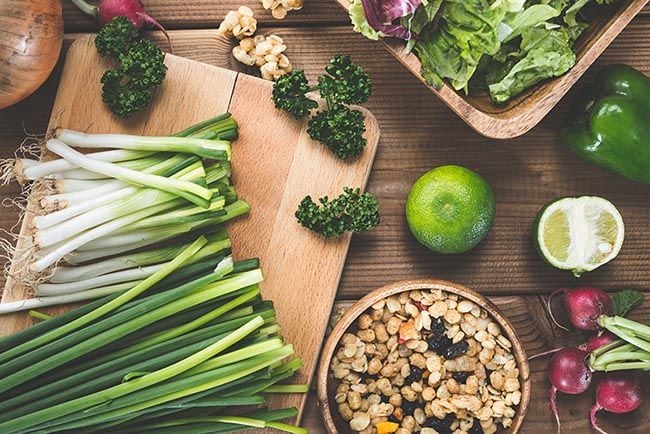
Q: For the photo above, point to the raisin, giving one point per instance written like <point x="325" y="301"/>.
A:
<point x="460" y="376"/>
<point x="393" y="419"/>
<point x="439" y="344"/>
<point x="384" y="398"/>
<point x="414" y="376"/>
<point x="476" y="428"/>
<point x="365" y="377"/>
<point x="408" y="407"/>
<point x="456" y="350"/>
<point x="437" y="328"/>
<point x="448" y="420"/>
<point x="442" y="426"/>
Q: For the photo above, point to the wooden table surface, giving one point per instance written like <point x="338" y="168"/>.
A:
<point x="418" y="133"/>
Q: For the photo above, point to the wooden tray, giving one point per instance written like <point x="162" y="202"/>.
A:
<point x="275" y="165"/>
<point x="523" y="112"/>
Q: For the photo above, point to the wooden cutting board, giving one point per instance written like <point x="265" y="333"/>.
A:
<point x="275" y="165"/>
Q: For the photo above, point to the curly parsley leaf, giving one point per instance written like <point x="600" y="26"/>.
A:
<point x="350" y="212"/>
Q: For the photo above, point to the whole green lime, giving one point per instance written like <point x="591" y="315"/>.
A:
<point x="450" y="209"/>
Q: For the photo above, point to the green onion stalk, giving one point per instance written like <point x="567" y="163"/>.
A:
<point x="630" y="352"/>
<point x="182" y="350"/>
<point x="150" y="194"/>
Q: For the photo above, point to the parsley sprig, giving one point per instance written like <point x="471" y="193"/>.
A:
<point x="337" y="126"/>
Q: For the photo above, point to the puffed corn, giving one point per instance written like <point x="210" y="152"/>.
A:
<point x="239" y="24"/>
<point x="266" y="53"/>
<point x="279" y="8"/>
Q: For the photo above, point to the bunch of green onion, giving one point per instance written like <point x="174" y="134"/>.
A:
<point x="631" y="351"/>
<point x="107" y="220"/>
<point x="191" y="348"/>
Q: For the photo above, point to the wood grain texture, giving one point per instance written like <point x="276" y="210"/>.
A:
<point x="418" y="133"/>
<point x="524" y="111"/>
<point x="193" y="14"/>
<point x="275" y="166"/>
<point x="327" y="383"/>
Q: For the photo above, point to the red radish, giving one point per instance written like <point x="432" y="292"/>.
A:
<point x="568" y="373"/>
<point x="616" y="393"/>
<point x="133" y="10"/>
<point x="597" y="341"/>
<point x="583" y="306"/>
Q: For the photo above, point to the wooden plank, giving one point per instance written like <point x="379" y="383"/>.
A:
<point x="536" y="330"/>
<point x="209" y="13"/>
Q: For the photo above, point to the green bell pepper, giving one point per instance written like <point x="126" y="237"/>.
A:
<point x="612" y="129"/>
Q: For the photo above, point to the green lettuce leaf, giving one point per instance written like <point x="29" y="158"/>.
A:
<point x="560" y="5"/>
<point x="423" y="16"/>
<point x="360" y="23"/>
<point x="547" y="54"/>
<point x="453" y="51"/>
<point x="529" y="17"/>
<point x="570" y="17"/>
<point x="509" y="5"/>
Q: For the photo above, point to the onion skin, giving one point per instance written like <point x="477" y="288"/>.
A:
<point x="31" y="36"/>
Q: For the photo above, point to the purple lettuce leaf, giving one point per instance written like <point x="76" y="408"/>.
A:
<point x="381" y="14"/>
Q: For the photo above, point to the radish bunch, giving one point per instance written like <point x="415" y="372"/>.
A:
<point x="617" y="344"/>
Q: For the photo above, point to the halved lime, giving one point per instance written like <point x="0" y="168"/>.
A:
<point x="579" y="233"/>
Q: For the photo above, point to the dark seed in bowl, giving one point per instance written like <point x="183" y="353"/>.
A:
<point x="455" y="350"/>
<point x="441" y="425"/>
<point x="415" y="375"/>
<point x="439" y="344"/>
<point x="460" y="376"/>
<point x="476" y="428"/>
<point x="437" y="327"/>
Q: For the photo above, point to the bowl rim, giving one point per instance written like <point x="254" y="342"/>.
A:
<point x="350" y="316"/>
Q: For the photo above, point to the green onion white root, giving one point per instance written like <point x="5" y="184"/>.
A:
<point x="96" y="209"/>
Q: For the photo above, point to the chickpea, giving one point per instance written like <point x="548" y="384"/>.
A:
<point x="354" y="400"/>
<point x="345" y="411"/>
<point x="364" y="321"/>
<point x="408" y="422"/>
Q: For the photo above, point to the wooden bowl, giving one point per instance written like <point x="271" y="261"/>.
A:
<point x="326" y="382"/>
<point x="521" y="113"/>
